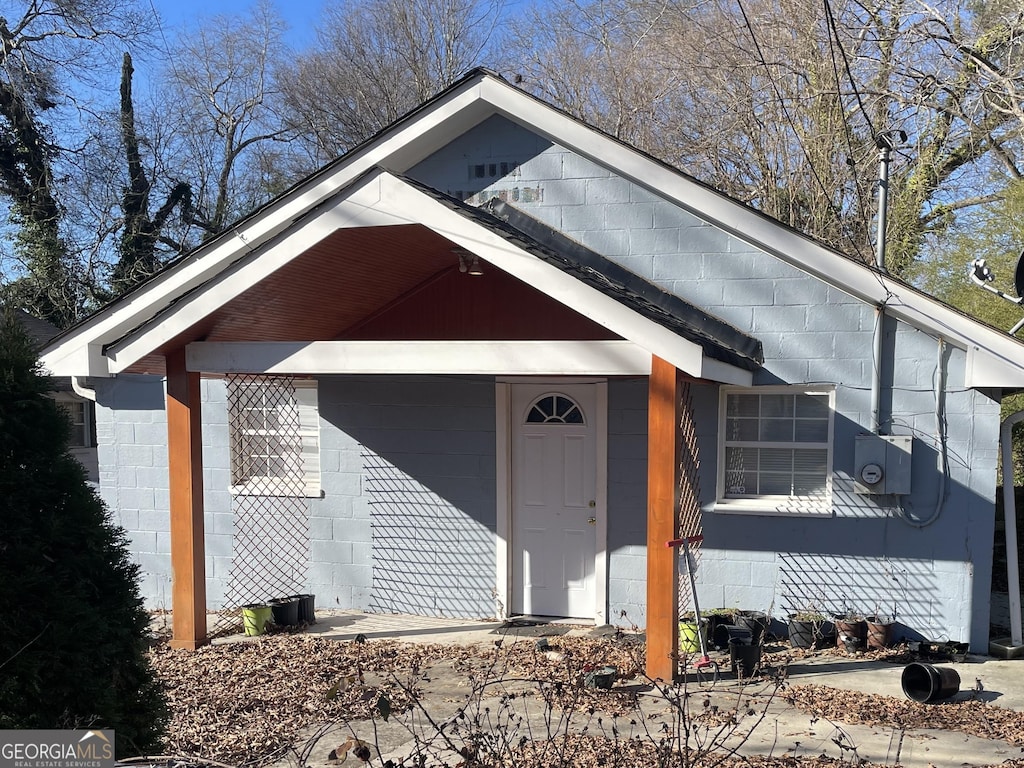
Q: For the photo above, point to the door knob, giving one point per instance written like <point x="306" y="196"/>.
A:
<point x="592" y="520"/>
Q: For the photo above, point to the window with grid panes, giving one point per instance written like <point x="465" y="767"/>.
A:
<point x="775" y="452"/>
<point x="274" y="426"/>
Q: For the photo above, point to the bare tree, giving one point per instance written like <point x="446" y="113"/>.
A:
<point x="780" y="102"/>
<point x="228" y="102"/>
<point x="48" y="51"/>
<point x="142" y="228"/>
<point x="606" y="62"/>
<point x="376" y="60"/>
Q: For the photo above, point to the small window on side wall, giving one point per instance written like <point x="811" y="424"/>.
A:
<point x="775" y="451"/>
<point x="275" y="436"/>
<point x="80" y="416"/>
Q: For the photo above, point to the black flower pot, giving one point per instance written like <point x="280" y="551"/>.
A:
<point x="810" y="632"/>
<point x="307" y="608"/>
<point x="755" y="621"/>
<point x="286" y="611"/>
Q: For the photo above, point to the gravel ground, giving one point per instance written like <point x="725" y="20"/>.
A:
<point x="249" y="703"/>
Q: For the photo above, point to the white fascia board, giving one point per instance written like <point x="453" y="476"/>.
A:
<point x="399" y="198"/>
<point x="358" y="209"/>
<point x="79" y="351"/>
<point x="489" y="358"/>
<point x="984" y="370"/>
<point x="858" y="280"/>
<point x="716" y="370"/>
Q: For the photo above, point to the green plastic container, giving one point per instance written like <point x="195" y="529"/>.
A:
<point x="689" y="641"/>
<point x="255" y="618"/>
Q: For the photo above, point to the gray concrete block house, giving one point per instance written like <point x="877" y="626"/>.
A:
<point x="491" y="361"/>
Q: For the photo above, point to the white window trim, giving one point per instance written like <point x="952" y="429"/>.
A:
<point x="309" y="434"/>
<point x="781" y="506"/>
<point x="63" y="398"/>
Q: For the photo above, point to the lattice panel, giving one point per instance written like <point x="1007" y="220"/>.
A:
<point x="688" y="514"/>
<point x="270" y="537"/>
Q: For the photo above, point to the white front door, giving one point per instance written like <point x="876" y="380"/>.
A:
<point x="554" y="462"/>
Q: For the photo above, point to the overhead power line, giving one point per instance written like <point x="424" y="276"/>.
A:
<point x="796" y="133"/>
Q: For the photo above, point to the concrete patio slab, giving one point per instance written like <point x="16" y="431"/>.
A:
<point x="783" y="729"/>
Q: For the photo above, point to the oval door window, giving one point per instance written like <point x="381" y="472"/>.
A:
<point x="554" y="409"/>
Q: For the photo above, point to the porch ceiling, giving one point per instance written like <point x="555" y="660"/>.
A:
<point x="389" y="282"/>
<point x="338" y="282"/>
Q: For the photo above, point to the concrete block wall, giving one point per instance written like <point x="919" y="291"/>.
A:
<point x="131" y="445"/>
<point x="131" y="437"/>
<point x="431" y="544"/>
<point x="218" y="517"/>
<point x="812" y="333"/>
<point x="432" y="438"/>
<point x="627" y="502"/>
<point x="411" y="507"/>
<point x="341" y="565"/>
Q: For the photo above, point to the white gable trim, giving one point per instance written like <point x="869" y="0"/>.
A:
<point x="486" y="358"/>
<point x="562" y="287"/>
<point x="984" y="370"/>
<point x="81" y="348"/>
<point x="359" y="208"/>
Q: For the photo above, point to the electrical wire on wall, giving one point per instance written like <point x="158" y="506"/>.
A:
<point x="939" y="388"/>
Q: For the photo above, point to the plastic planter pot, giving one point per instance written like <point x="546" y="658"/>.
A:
<point x="925" y="683"/>
<point x="724" y="633"/>
<point x="307" y="608"/>
<point x="255" y="617"/>
<point x="689" y="641"/>
<point x="850" y="627"/>
<point x="716" y="620"/>
<point x="743" y="657"/>
<point x="810" y="632"/>
<point x="755" y="621"/>
<point x="602" y="677"/>
<point x="286" y="611"/>
<point x="879" y="633"/>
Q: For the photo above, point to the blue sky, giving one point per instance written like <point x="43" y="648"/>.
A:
<point x="301" y="15"/>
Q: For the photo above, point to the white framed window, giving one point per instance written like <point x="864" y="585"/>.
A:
<point x="274" y="425"/>
<point x="80" y="415"/>
<point x="775" y="450"/>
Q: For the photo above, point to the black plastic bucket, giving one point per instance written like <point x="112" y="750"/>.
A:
<point x="927" y="683"/>
<point x="755" y="621"/>
<point x="725" y="632"/>
<point x="307" y="608"/>
<point x="744" y="657"/>
<point x="286" y="611"/>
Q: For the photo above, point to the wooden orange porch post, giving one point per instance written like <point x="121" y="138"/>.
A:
<point x="662" y="570"/>
<point x="185" y="466"/>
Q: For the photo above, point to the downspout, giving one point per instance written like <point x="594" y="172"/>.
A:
<point x="77" y="384"/>
<point x="1010" y="514"/>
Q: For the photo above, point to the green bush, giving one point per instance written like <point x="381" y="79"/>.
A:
<point x="73" y="631"/>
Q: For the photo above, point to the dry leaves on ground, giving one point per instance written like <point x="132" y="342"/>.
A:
<point x="971" y="717"/>
<point x="243" y="702"/>
<point x="240" y="702"/>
